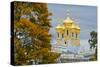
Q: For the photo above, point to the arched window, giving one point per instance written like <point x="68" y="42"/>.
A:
<point x="58" y="34"/>
<point x="67" y="33"/>
<point x="65" y="42"/>
<point x="72" y="34"/>
<point x="76" y="35"/>
<point x="62" y="35"/>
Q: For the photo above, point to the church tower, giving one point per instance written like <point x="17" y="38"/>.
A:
<point x="68" y="33"/>
<point x="60" y="33"/>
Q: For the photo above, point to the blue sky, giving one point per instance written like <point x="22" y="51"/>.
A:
<point x="87" y="19"/>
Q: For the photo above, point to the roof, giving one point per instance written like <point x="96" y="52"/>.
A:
<point x="77" y="27"/>
<point x="59" y="26"/>
<point x="73" y="26"/>
<point x="68" y="20"/>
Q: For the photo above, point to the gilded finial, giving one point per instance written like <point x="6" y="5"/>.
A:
<point x="77" y="20"/>
<point x="59" y="21"/>
<point x="68" y="12"/>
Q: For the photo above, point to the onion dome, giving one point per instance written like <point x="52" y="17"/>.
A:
<point x="77" y="27"/>
<point x="73" y="26"/>
<point x="63" y="27"/>
<point x="60" y="28"/>
<point x="68" y="20"/>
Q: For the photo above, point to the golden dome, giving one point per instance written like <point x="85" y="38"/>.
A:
<point x="63" y="27"/>
<point x="60" y="27"/>
<point x="77" y="27"/>
<point x="73" y="26"/>
<point x="68" y="20"/>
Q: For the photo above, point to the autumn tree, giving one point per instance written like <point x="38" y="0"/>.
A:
<point x="36" y="12"/>
<point x="31" y="34"/>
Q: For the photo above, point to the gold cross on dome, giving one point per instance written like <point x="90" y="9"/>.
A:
<point x="77" y="20"/>
<point x="59" y="21"/>
<point x="68" y="12"/>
